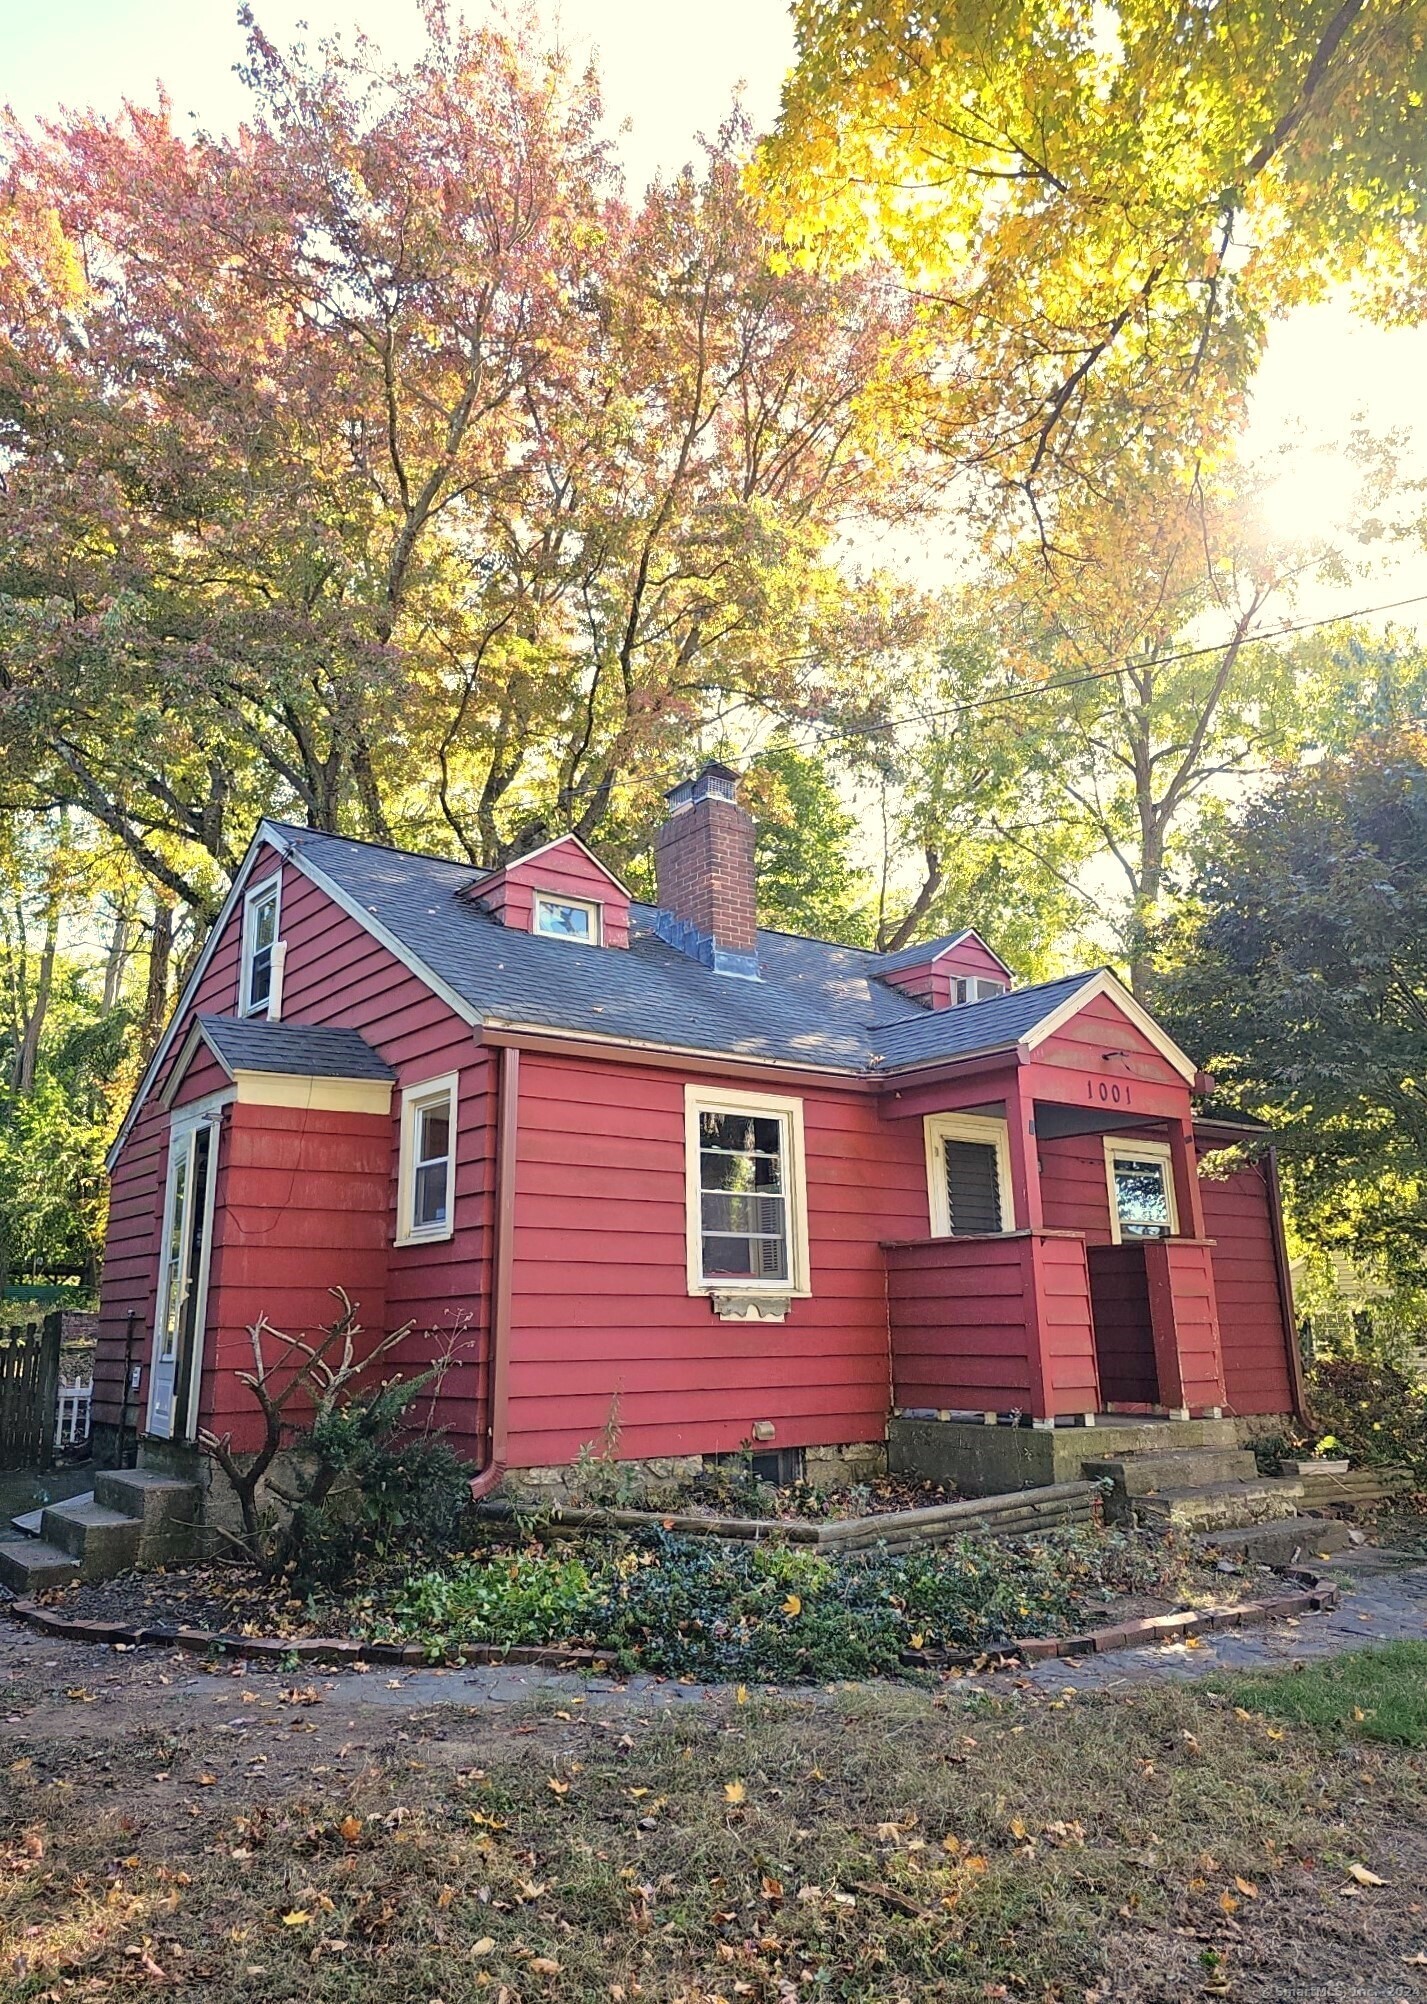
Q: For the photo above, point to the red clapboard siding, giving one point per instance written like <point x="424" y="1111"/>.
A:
<point x="337" y="974"/>
<point x="1181" y="1287"/>
<point x="1075" y="1193"/>
<point x="959" y="1349"/>
<point x="1124" y="1333"/>
<point x="1238" y="1219"/>
<point x="603" y="1322"/>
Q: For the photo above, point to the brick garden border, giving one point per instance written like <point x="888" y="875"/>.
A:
<point x="1312" y="1595"/>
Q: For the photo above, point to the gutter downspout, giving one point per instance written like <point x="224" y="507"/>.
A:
<point x="502" y="1266"/>
<point x="1285" y="1289"/>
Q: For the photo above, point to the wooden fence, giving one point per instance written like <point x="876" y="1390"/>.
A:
<point x="29" y="1392"/>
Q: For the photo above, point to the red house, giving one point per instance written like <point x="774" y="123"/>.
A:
<point x="672" y="1179"/>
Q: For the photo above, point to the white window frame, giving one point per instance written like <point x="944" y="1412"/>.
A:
<point x="590" y="905"/>
<point x="700" y="1099"/>
<point x="414" y="1101"/>
<point x="988" y="1129"/>
<point x="257" y="895"/>
<point x="183" y="1126"/>
<point x="1120" y="1144"/>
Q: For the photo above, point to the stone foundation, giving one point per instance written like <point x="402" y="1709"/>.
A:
<point x="992" y="1460"/>
<point x="649" y="1483"/>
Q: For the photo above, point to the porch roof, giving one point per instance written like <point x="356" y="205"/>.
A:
<point x="976" y="1028"/>
<point x="297" y="1050"/>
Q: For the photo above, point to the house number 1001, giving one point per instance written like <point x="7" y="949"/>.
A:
<point x="1119" y="1095"/>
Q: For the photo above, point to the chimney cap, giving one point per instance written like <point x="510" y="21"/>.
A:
<point x="711" y="781"/>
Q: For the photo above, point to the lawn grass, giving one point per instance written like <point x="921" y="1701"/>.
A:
<point x="1380" y="1694"/>
<point x="862" y="1846"/>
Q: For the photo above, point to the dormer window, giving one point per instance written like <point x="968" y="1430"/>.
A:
<point x="972" y="988"/>
<point x="567" y="918"/>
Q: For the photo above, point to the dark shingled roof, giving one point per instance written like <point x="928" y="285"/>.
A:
<point x="919" y="955"/>
<point x="253" y="1044"/>
<point x="975" y="1026"/>
<point x="817" y="1004"/>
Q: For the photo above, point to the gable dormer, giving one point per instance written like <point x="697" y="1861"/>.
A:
<point x="561" y="891"/>
<point x="946" y="973"/>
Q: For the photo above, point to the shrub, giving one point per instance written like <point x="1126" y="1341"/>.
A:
<point x="1372" y="1411"/>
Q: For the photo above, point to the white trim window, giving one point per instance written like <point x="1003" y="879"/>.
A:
<point x="559" y="917"/>
<point x="262" y="917"/>
<point x="746" y="1193"/>
<point x="426" y="1170"/>
<point x="976" y="988"/>
<point x="968" y="1174"/>
<point x="1140" y="1179"/>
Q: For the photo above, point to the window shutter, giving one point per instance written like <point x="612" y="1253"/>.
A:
<point x="973" y="1186"/>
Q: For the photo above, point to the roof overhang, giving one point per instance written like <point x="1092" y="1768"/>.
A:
<point x="1108" y="984"/>
<point x="325" y="1091"/>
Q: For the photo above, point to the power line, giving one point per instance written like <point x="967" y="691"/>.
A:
<point x="1106" y="674"/>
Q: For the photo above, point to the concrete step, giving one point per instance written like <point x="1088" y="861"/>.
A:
<point x="29" y="1565"/>
<point x="28" y="1522"/>
<point x="1174" y="1468"/>
<point x="165" y="1508"/>
<point x="1218" y="1504"/>
<point x="104" y="1541"/>
<point x="1280" y="1542"/>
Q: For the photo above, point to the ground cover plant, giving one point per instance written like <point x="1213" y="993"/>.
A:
<point x="246" y="1840"/>
<point x="688" y="1606"/>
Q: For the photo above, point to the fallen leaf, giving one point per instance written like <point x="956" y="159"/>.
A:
<point x="793" y="1604"/>
<point x="557" y="1787"/>
<point x="1247" y="1888"/>
<point x="1228" y="1903"/>
<point x="483" y="1946"/>
<point x="350" y="1828"/>
<point x="734" y="1791"/>
<point x="1017" y="1828"/>
<point x="299" y="1917"/>
<point x="740" y="1696"/>
<point x="544" y="1965"/>
<point x="1364" y="1877"/>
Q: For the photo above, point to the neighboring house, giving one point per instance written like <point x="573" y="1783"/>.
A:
<point x="666" y="1177"/>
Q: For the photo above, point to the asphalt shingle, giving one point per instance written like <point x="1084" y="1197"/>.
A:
<point x="307" y="1050"/>
<point x="817" y="1004"/>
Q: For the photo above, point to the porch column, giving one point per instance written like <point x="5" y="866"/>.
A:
<point x="1027" y="1211"/>
<point x="1184" y="1162"/>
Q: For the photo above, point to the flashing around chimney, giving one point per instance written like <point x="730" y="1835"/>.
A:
<point x="696" y="945"/>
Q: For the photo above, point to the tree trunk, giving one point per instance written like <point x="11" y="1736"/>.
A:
<point x="115" y="961"/>
<point x="156" y="996"/>
<point x="28" y="1055"/>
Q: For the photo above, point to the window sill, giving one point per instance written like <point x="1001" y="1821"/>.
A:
<point x="433" y="1237"/>
<point x="751" y="1304"/>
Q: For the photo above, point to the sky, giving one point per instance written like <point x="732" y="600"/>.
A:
<point x="670" y="71"/>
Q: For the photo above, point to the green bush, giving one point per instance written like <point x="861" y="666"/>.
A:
<point x="1372" y="1411"/>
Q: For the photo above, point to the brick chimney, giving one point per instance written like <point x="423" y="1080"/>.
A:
<point x="703" y="862"/>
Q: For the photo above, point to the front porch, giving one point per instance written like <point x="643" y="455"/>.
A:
<point x="1069" y="1278"/>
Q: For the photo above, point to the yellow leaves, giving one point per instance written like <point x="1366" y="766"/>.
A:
<point x="1364" y="1877"/>
<point x="556" y="1786"/>
<point x="544" y="1965"/>
<point x="1228" y="1903"/>
<point x="482" y="1947"/>
<point x="299" y="1917"/>
<point x="1247" y="1887"/>
<point x="1017" y="1828"/>
<point x="793" y="1604"/>
<point x="740" y="1696"/>
<point x="734" y="1791"/>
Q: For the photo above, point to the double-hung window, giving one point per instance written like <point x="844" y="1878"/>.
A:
<point x="261" y="911"/>
<point x="747" y="1214"/>
<point x="426" y="1177"/>
<point x="1141" y="1180"/>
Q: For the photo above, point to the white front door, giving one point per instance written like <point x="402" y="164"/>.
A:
<point x="183" y="1275"/>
